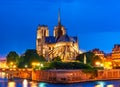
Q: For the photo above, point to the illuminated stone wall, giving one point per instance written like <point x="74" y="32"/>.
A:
<point x="56" y="29"/>
<point x="66" y="50"/>
<point x="42" y="32"/>
<point x="98" y="52"/>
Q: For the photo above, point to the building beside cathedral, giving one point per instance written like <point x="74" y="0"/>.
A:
<point x="60" y="44"/>
<point x="115" y="55"/>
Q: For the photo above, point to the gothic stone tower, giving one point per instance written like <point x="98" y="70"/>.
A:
<point x="60" y="44"/>
<point x="42" y="32"/>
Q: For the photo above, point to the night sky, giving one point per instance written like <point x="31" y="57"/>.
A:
<point x="95" y="22"/>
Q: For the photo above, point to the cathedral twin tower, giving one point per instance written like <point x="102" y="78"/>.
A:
<point x="60" y="44"/>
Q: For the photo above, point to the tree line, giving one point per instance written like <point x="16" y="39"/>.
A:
<point x="30" y="56"/>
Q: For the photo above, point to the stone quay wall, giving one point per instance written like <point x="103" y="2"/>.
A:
<point x="72" y="76"/>
<point x="108" y="74"/>
<point x="60" y="76"/>
<point x="65" y="76"/>
<point x="23" y="74"/>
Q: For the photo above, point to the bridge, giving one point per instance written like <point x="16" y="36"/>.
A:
<point x="17" y="73"/>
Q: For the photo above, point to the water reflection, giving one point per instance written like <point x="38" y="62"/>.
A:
<point x="98" y="86"/>
<point x="25" y="83"/>
<point x="42" y="84"/>
<point x="33" y="84"/>
<point x="110" y="85"/>
<point x="11" y="84"/>
<point x="103" y="84"/>
<point x="4" y="82"/>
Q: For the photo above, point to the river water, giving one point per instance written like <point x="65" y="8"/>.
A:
<point x="4" y="82"/>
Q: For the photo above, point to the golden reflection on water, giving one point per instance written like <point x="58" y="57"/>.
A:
<point x="11" y="84"/>
<point x="110" y="85"/>
<point x="98" y="86"/>
<point x="105" y="86"/>
<point x="33" y="84"/>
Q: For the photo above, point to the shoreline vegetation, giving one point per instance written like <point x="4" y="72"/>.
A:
<point x="58" y="71"/>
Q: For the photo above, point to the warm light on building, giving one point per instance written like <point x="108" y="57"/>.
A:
<point x="3" y="63"/>
<point x="97" y="63"/>
<point x="108" y="65"/>
<point x="60" y="44"/>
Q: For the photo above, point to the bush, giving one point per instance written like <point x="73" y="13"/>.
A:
<point x="67" y="65"/>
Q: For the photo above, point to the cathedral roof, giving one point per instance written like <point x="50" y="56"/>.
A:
<point x="64" y="38"/>
<point x="50" y="39"/>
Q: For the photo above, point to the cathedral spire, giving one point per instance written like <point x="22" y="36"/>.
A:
<point x="59" y="20"/>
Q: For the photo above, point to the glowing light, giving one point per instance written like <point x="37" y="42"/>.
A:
<point x="33" y="64"/>
<point x="108" y="65"/>
<point x="11" y="63"/>
<point x="26" y="66"/>
<point x="33" y="84"/>
<point x="101" y="65"/>
<point x="38" y="64"/>
<point x="14" y="66"/>
<point x="97" y="63"/>
<point x="25" y="83"/>
<point x="2" y="75"/>
<point x="11" y="84"/>
<point x="42" y="84"/>
<point x="41" y="65"/>
<point x="110" y="85"/>
<point x="100" y="84"/>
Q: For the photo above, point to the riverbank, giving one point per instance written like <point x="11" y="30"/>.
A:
<point x="74" y="76"/>
<point x="66" y="76"/>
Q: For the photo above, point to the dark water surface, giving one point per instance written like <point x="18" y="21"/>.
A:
<point x="4" y="82"/>
<point x="25" y="83"/>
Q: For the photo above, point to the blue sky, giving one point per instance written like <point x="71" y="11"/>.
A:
<point x="95" y="22"/>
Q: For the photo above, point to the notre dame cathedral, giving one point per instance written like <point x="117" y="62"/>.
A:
<point x="60" y="44"/>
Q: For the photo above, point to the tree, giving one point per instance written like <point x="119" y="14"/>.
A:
<point x="29" y="57"/>
<point x="13" y="58"/>
<point x="67" y="65"/>
<point x="91" y="58"/>
<point x="56" y="59"/>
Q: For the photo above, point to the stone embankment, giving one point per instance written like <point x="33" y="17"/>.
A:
<point x="66" y="76"/>
<point x="72" y="76"/>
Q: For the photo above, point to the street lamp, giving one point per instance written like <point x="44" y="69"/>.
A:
<point x="41" y="65"/>
<point x="97" y="63"/>
<point x="11" y="65"/>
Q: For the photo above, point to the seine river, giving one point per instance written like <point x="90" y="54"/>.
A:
<point x="4" y="82"/>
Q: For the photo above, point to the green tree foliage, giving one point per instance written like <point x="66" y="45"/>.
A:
<point x="56" y="59"/>
<point x="29" y="57"/>
<point x="12" y="57"/>
<point x="67" y="65"/>
<point x="91" y="58"/>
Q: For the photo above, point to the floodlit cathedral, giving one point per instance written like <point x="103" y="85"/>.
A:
<point x="60" y="44"/>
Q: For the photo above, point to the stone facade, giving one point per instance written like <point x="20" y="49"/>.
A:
<point x="116" y="55"/>
<point x="60" y="44"/>
<point x="98" y="52"/>
<point x="109" y="74"/>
